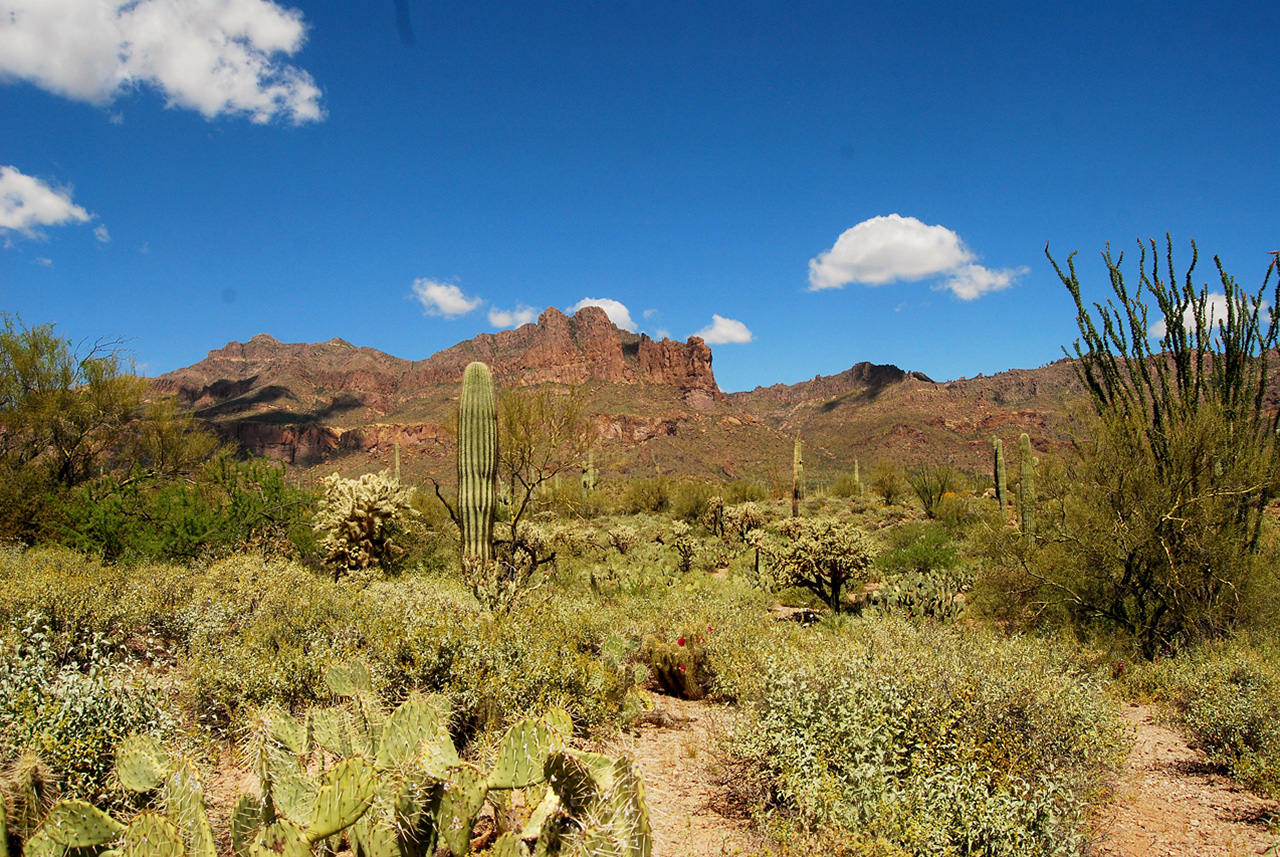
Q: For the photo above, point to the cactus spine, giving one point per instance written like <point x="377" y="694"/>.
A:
<point x="997" y="446"/>
<point x="1026" y="486"/>
<point x="477" y="461"/>
<point x="797" y="476"/>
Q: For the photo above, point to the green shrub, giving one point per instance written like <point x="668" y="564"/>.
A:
<point x="846" y="486"/>
<point x="887" y="735"/>
<point x="71" y="706"/>
<point x="647" y="495"/>
<point x="691" y="499"/>
<point x="745" y="491"/>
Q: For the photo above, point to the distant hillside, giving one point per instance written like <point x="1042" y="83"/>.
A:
<point x="333" y="405"/>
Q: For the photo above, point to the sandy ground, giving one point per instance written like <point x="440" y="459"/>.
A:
<point x="1170" y="803"/>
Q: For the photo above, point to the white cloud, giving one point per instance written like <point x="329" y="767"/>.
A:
<point x="724" y="331"/>
<point x="617" y="312"/>
<point x="44" y="261"/>
<point x="27" y="203"/>
<point x="970" y="282"/>
<point x="512" y="318"/>
<point x="893" y="248"/>
<point x="100" y="232"/>
<point x="213" y="56"/>
<point x="443" y="299"/>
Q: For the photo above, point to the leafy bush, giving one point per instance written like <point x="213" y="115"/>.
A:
<point x="929" y="741"/>
<point x="230" y="505"/>
<point x="690" y="499"/>
<point x="647" y="495"/>
<point x="923" y="575"/>
<point x="846" y="486"/>
<point x="71" y="706"/>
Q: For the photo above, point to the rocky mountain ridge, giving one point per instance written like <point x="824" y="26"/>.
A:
<point x="656" y="403"/>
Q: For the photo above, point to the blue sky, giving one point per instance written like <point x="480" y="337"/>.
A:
<point x="808" y="185"/>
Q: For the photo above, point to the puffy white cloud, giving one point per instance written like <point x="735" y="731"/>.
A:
<point x="724" y="331"/>
<point x="970" y="282"/>
<point x="100" y="232"/>
<point x="617" y="312"/>
<point x="893" y="248"/>
<point x="214" y="56"/>
<point x="512" y="318"/>
<point x="443" y="299"/>
<point x="26" y="204"/>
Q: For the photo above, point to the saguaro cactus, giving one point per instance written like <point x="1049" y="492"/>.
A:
<point x="1002" y="498"/>
<point x="797" y="476"/>
<point x="1026" y="486"/>
<point x="477" y="461"/>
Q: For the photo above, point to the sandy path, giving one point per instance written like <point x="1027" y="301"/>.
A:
<point x="1170" y="804"/>
<point x="684" y="782"/>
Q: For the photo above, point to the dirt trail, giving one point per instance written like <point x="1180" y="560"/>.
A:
<point x="1170" y="803"/>
<point x="685" y="784"/>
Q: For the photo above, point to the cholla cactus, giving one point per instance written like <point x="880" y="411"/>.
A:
<point x="822" y="556"/>
<point x="623" y="537"/>
<point x="685" y="544"/>
<point x="742" y="518"/>
<point x="359" y="518"/>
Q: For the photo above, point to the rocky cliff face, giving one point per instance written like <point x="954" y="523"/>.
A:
<point x="559" y="348"/>
<point x="302" y="402"/>
<point x="573" y="350"/>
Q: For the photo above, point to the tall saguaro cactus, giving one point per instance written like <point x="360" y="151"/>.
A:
<point x="797" y="477"/>
<point x="1026" y="486"/>
<point x="477" y="461"/>
<point x="1002" y="497"/>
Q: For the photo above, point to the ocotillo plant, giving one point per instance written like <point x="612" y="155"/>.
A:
<point x="1026" y="486"/>
<point x="477" y="461"/>
<point x="997" y="446"/>
<point x="797" y="477"/>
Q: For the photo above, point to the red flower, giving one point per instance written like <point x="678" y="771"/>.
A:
<point x="680" y="642"/>
<point x="682" y="668"/>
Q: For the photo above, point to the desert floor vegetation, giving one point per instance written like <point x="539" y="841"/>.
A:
<point x="202" y="655"/>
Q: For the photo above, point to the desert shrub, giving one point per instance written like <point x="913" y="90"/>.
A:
<point x="80" y="598"/>
<point x="226" y="505"/>
<point x="265" y="630"/>
<point x="361" y="521"/>
<point x="887" y="481"/>
<point x="71" y="706"/>
<point x="846" y="486"/>
<point x="690" y="499"/>
<point x="1178" y="461"/>
<point x="745" y="491"/>
<point x="647" y="495"/>
<point x="879" y="734"/>
<point x="931" y="485"/>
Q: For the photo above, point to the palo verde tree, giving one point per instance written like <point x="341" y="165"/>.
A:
<point x="1158" y="523"/>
